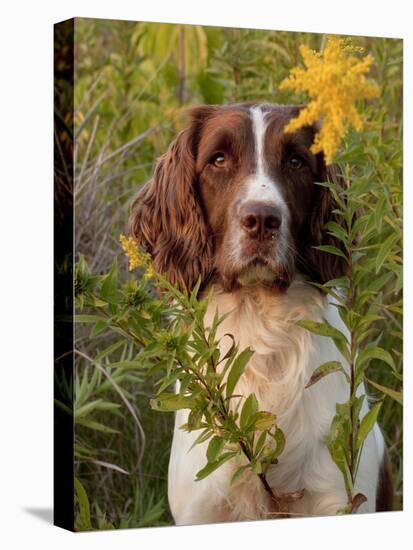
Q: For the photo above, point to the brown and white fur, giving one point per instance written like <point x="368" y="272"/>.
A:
<point x="233" y="201"/>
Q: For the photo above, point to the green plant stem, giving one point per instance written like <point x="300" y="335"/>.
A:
<point x="353" y="353"/>
<point x="221" y="408"/>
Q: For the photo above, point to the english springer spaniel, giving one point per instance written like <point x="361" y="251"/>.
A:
<point x="233" y="201"/>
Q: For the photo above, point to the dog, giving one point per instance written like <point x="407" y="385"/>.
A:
<point x="234" y="202"/>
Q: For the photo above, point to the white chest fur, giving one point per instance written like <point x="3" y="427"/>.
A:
<point x="284" y="359"/>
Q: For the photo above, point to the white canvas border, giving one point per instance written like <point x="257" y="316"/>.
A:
<point x="26" y="278"/>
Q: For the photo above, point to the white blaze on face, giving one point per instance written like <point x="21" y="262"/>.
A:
<point x="260" y="187"/>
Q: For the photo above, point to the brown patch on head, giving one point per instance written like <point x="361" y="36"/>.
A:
<point x="311" y="206"/>
<point x="295" y="182"/>
<point x="167" y="219"/>
<point x="225" y="134"/>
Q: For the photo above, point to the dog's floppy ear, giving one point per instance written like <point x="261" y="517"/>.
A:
<point x="167" y="218"/>
<point x="318" y="265"/>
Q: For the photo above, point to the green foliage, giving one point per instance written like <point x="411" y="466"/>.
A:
<point x="369" y="299"/>
<point x="82" y="522"/>
<point x="174" y="344"/>
<point x="324" y="369"/>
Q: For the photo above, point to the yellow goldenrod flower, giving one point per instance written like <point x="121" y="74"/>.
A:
<point x="149" y="273"/>
<point x="334" y="79"/>
<point x="136" y="257"/>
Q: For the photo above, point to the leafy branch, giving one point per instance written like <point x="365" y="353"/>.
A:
<point x="357" y="297"/>
<point x="173" y="342"/>
<point x="367" y="231"/>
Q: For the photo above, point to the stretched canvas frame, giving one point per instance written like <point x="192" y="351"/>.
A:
<point x="104" y="95"/>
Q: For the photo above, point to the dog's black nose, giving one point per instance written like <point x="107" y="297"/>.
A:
<point x="260" y="220"/>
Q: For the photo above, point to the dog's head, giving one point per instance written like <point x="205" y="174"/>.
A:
<point x="234" y="200"/>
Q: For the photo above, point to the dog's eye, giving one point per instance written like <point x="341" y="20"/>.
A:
<point x="218" y="160"/>
<point x="295" y="161"/>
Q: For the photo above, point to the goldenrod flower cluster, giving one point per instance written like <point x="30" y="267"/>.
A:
<point x="136" y="257"/>
<point x="334" y="79"/>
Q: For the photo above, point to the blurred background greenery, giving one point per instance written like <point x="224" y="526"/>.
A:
<point x="133" y="82"/>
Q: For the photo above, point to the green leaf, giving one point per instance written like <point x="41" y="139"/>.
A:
<point x="264" y="420"/>
<point x="324" y="369"/>
<point x="322" y="329"/>
<point x="331" y="250"/>
<point x="337" y="231"/>
<point x="108" y="406"/>
<point x="98" y="303"/>
<point x="340" y="282"/>
<point x="185" y="381"/>
<point x="88" y="318"/>
<point x="374" y="352"/>
<point x="366" y="322"/>
<point x="367" y="423"/>
<point x="109" y="291"/>
<point x="110" y="349"/>
<point x="384" y="250"/>
<point x="379" y="212"/>
<point x="167" y="381"/>
<point x="82" y="387"/>
<point x="237" y="370"/>
<point x="260" y="443"/>
<point x="248" y="410"/>
<point x="84" y="410"/>
<point x="127" y="364"/>
<point x="325" y="329"/>
<point x="230" y="352"/>
<point x="194" y="293"/>
<point x="337" y="452"/>
<point x="203" y="436"/>
<point x="98" y="327"/>
<point x="238" y="473"/>
<point x="377" y="283"/>
<point x="93" y="425"/>
<point x="169" y="402"/>
<point x="396" y="395"/>
<point x="214" y="448"/>
<point x="83" y="522"/>
<point x="212" y="466"/>
<point x="279" y="439"/>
